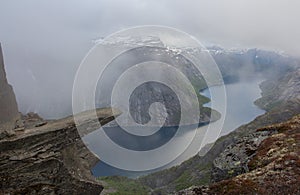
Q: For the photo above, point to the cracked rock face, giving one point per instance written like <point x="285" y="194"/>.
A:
<point x="49" y="158"/>
<point x="8" y="105"/>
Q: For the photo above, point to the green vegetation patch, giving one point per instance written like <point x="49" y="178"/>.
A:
<point x="119" y="185"/>
<point x="187" y="179"/>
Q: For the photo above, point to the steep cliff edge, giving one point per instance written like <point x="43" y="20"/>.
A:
<point x="44" y="157"/>
<point x="8" y="105"/>
<point x="49" y="158"/>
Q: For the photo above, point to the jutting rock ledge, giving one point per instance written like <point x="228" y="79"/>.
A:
<point x="44" y="157"/>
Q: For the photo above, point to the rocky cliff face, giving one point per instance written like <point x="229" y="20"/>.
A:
<point x="44" y="157"/>
<point x="8" y="105"/>
<point x="48" y="157"/>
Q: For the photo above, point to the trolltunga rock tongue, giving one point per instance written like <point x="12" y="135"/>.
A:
<point x="8" y="105"/>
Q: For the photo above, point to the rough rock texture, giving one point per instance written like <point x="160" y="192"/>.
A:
<point x="8" y="105"/>
<point x="234" y="159"/>
<point x="48" y="157"/>
<point x="274" y="169"/>
<point x="194" y="190"/>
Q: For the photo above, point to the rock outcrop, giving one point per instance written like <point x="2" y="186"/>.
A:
<point x="8" y="105"/>
<point x="234" y="160"/>
<point x="44" y="157"/>
<point x="49" y="157"/>
<point x="273" y="169"/>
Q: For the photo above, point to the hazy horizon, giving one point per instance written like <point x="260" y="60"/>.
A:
<point x="44" y="41"/>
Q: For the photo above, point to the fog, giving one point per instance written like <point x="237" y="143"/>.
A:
<point x="44" y="41"/>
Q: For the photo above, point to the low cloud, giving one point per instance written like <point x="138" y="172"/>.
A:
<point x="45" y="41"/>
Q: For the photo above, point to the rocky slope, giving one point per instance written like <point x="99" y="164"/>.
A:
<point x="279" y="96"/>
<point x="231" y="153"/>
<point x="274" y="167"/>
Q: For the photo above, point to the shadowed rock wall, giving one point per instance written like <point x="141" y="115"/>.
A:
<point x="8" y="105"/>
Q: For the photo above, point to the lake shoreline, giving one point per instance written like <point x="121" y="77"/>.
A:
<point x="247" y="103"/>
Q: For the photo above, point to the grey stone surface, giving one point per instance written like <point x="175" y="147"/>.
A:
<point x="49" y="157"/>
<point x="8" y="104"/>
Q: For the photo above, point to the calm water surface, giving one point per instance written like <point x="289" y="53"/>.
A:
<point x="240" y="110"/>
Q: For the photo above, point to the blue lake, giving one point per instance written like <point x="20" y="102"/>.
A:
<point x="239" y="110"/>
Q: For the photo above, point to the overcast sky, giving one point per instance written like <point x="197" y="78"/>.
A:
<point x="44" y="41"/>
